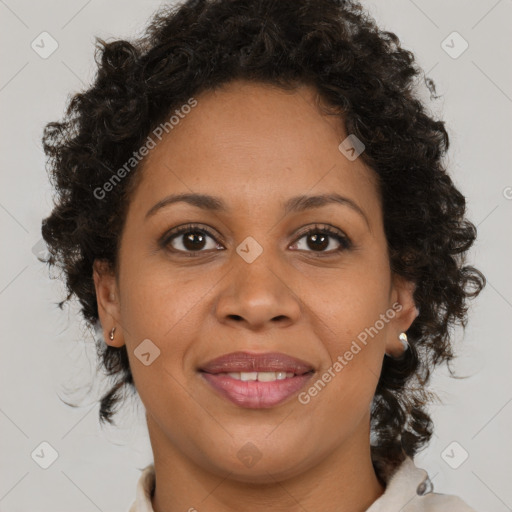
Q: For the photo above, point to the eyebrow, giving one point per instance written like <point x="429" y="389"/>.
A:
<point x="294" y="204"/>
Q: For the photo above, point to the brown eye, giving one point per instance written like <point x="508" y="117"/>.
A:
<point x="323" y="240"/>
<point x="189" y="239"/>
<point x="193" y="240"/>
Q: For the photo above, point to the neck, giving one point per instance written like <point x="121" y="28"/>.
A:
<point x="345" y="481"/>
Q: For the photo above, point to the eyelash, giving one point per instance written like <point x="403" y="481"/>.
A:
<point x="344" y="241"/>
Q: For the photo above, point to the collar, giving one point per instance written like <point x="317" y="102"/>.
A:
<point x="408" y="489"/>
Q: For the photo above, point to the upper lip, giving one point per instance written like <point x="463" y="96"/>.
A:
<point x="263" y="362"/>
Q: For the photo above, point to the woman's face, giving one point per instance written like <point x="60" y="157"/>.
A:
<point x="256" y="283"/>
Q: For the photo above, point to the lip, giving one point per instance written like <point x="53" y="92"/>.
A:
<point x="253" y="362"/>
<point x="256" y="394"/>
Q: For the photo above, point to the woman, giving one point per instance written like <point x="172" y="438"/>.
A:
<point x="252" y="203"/>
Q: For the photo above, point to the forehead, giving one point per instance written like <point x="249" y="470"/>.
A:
<point x="255" y="144"/>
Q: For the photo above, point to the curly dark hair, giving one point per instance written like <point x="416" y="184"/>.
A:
<point x="369" y="80"/>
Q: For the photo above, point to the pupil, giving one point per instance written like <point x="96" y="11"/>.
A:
<point x="191" y="240"/>
<point x="322" y="245"/>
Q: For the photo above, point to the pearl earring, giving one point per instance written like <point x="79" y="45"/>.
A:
<point x="405" y="343"/>
<point x="404" y="340"/>
<point x="111" y="335"/>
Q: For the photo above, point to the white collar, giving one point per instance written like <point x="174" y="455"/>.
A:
<point x="408" y="489"/>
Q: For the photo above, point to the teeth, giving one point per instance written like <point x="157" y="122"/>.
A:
<point x="248" y="376"/>
<point x="260" y="376"/>
<point x="267" y="376"/>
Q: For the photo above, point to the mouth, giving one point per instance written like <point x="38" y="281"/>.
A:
<point x="256" y="381"/>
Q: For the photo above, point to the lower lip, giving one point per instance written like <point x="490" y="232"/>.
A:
<point x="255" y="394"/>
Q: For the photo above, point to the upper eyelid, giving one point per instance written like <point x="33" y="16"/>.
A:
<point x="321" y="227"/>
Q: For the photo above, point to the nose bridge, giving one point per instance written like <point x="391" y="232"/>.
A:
<point x="257" y="292"/>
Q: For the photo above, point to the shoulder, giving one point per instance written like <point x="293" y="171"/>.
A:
<point x="409" y="489"/>
<point x="144" y="490"/>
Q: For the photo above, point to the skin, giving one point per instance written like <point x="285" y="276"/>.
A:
<point x="255" y="146"/>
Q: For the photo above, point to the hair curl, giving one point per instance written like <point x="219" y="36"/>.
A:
<point x="357" y="68"/>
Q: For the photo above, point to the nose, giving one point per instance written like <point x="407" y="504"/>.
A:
<point x="258" y="295"/>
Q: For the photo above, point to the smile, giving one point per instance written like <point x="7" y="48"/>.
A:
<point x="257" y="390"/>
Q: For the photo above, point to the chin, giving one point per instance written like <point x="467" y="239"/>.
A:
<point x="267" y="465"/>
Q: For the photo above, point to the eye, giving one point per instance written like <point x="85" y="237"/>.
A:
<point x="189" y="239"/>
<point x="319" y="238"/>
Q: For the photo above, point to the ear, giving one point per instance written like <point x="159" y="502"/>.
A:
<point x="107" y="297"/>
<point x="402" y="300"/>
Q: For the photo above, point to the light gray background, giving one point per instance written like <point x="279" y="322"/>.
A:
<point x="45" y="349"/>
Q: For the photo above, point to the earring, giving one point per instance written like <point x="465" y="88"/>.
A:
<point x="111" y="335"/>
<point x="405" y="343"/>
<point x="404" y="340"/>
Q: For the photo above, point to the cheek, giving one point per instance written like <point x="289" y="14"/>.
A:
<point x="155" y="302"/>
<point x="167" y="307"/>
<point x="354" y="315"/>
<point x="351" y="299"/>
<point x="155" y="308"/>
